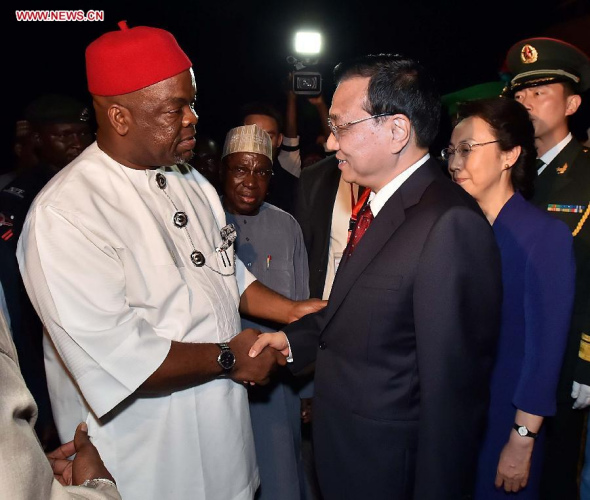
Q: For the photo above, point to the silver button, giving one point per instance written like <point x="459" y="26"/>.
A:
<point x="180" y="219"/>
<point x="161" y="180"/>
<point x="198" y="259"/>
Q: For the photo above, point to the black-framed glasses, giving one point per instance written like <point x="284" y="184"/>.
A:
<point x="241" y="172"/>
<point x="336" y="129"/>
<point x="462" y="149"/>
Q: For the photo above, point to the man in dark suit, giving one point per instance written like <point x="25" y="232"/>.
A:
<point x="405" y="347"/>
<point x="316" y="196"/>
<point x="548" y="77"/>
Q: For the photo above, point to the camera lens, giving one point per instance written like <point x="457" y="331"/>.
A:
<point x="307" y="83"/>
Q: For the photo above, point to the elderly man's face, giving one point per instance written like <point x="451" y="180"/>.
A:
<point x="162" y="125"/>
<point x="246" y="178"/>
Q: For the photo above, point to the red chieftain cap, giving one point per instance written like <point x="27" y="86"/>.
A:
<point x="124" y="61"/>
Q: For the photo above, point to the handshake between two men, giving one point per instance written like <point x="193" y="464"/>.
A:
<point x="258" y="354"/>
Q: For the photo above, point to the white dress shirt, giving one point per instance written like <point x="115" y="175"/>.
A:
<point x="377" y="200"/>
<point x="338" y="231"/>
<point x="550" y="155"/>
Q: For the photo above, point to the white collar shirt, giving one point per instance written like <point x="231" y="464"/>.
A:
<point x="378" y="200"/>
<point x="550" y="155"/>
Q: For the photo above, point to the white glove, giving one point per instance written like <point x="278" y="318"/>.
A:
<point x="581" y="394"/>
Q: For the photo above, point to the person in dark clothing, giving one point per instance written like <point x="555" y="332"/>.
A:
<point x="286" y="159"/>
<point x="59" y="130"/>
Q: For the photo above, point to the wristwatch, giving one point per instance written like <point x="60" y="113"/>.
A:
<point x="226" y="358"/>
<point x="524" y="432"/>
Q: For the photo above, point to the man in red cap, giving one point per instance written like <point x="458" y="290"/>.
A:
<point x="127" y="257"/>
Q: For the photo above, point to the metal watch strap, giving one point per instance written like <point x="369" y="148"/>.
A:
<point x="94" y="483"/>
<point x="221" y="359"/>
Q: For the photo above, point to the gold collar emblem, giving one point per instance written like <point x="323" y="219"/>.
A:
<point x="561" y="170"/>
<point x="528" y="54"/>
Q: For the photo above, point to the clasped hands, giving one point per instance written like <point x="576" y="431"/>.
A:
<point x="249" y="369"/>
<point x="259" y="354"/>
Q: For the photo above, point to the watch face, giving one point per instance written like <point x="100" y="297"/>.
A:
<point x="522" y="431"/>
<point x="226" y="359"/>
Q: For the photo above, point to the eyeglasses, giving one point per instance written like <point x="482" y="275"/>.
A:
<point x="335" y="129"/>
<point x="462" y="149"/>
<point x="241" y="172"/>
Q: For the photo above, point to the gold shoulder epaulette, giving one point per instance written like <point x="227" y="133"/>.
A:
<point x="585" y="347"/>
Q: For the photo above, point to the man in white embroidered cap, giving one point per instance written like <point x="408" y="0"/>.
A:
<point x="270" y="243"/>
<point x="127" y="258"/>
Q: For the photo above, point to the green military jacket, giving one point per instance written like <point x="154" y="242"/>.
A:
<point x="563" y="189"/>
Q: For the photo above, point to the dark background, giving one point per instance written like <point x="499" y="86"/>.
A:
<point x="239" y="48"/>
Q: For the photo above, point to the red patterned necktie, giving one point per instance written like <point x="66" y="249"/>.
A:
<point x="365" y="217"/>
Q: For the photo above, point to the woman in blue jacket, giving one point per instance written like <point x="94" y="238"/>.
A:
<point x="492" y="156"/>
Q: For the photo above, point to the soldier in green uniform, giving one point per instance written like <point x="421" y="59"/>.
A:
<point x="548" y="77"/>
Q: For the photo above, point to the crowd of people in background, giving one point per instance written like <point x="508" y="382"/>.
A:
<point x="201" y="319"/>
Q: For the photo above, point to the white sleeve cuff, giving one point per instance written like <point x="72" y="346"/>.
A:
<point x="290" y="356"/>
<point x="291" y="141"/>
<point x="109" y="383"/>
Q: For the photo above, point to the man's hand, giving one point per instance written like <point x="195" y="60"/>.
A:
<point x="581" y="394"/>
<point x="86" y="465"/>
<point x="277" y="341"/>
<point x="61" y="466"/>
<point x="248" y="369"/>
<point x="303" y="307"/>
<point x="316" y="100"/>
<point x="515" y="463"/>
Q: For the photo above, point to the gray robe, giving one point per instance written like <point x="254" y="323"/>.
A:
<point x="24" y="469"/>
<point x="270" y="244"/>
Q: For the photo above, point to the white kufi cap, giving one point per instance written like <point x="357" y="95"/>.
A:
<point x="248" y="139"/>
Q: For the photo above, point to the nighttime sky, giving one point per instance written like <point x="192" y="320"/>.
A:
<point x="239" y="48"/>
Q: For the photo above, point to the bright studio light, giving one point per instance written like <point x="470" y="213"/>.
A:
<point x="308" y="42"/>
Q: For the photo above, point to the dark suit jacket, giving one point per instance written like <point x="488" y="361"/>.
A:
<point x="572" y="187"/>
<point x="316" y="195"/>
<point x="282" y="189"/>
<point x="405" y="347"/>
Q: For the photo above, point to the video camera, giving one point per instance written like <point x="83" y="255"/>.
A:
<point x="306" y="82"/>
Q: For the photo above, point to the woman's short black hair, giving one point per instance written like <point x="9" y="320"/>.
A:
<point x="511" y="126"/>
